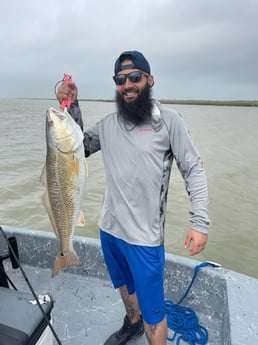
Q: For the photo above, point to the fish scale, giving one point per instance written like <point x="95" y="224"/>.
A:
<point x="62" y="198"/>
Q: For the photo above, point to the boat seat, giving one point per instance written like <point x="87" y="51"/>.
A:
<point x="21" y="321"/>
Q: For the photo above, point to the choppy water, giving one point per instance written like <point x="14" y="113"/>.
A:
<point x="226" y="138"/>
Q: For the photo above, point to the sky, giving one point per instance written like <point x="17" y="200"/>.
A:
<point x="197" y="49"/>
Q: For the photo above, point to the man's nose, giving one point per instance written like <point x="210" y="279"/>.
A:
<point x="128" y="83"/>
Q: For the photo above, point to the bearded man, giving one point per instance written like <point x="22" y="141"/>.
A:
<point x="139" y="143"/>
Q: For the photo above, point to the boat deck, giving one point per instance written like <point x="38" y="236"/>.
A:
<point x="87" y="309"/>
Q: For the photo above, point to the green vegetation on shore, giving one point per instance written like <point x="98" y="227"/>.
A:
<point x="246" y="103"/>
<point x="234" y="103"/>
<point x="213" y="102"/>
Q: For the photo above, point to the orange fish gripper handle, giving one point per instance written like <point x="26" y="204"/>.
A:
<point x="66" y="103"/>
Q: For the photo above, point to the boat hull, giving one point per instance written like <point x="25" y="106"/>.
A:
<point x="225" y="301"/>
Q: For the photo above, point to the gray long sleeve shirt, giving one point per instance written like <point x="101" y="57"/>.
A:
<point x="138" y="163"/>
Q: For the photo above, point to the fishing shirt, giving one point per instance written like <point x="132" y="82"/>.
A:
<point x="138" y="162"/>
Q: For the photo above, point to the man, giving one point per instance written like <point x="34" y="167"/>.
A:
<point x="139" y="142"/>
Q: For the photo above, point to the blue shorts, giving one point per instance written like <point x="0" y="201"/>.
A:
<point x="141" y="269"/>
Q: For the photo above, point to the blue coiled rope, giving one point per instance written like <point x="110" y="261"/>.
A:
<point x="183" y="321"/>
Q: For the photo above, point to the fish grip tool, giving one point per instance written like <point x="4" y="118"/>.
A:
<point x="66" y="102"/>
<point x="17" y="261"/>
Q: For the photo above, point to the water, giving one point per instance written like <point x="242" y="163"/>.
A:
<point x="226" y="138"/>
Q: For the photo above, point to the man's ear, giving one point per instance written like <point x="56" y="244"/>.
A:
<point x="150" y="80"/>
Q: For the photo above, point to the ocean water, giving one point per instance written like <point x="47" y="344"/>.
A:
<point x="226" y="138"/>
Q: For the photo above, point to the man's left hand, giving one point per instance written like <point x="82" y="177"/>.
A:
<point x="197" y="239"/>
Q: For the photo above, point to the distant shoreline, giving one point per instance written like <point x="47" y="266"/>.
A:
<point x="211" y="102"/>
<point x="235" y="103"/>
<point x="196" y="102"/>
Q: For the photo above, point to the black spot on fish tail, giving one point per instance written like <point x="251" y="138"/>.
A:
<point x="65" y="260"/>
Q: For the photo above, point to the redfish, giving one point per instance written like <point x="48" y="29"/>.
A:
<point x="64" y="176"/>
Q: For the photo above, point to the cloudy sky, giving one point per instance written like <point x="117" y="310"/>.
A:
<point x="198" y="49"/>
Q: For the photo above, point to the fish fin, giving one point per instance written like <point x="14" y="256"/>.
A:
<point x="86" y="168"/>
<point x="46" y="203"/>
<point x="81" y="219"/>
<point x="65" y="260"/>
<point x="76" y="165"/>
<point x="43" y="176"/>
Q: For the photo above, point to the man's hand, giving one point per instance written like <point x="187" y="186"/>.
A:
<point x="67" y="90"/>
<point x="197" y="239"/>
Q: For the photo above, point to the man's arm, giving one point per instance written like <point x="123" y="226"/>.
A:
<point x="76" y="114"/>
<point x="192" y="170"/>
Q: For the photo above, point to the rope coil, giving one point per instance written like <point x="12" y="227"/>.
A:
<point x="183" y="321"/>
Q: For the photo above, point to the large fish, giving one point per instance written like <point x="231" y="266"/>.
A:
<point x="64" y="176"/>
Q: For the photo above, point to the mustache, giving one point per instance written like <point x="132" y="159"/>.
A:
<point x="130" y="89"/>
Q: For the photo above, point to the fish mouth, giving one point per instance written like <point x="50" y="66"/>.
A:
<point x="51" y="113"/>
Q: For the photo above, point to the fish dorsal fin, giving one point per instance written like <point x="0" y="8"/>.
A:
<point x="46" y="203"/>
<point x="43" y="176"/>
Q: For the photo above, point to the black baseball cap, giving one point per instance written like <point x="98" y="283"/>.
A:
<point x="138" y="61"/>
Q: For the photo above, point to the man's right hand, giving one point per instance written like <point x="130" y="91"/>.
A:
<point x="67" y="90"/>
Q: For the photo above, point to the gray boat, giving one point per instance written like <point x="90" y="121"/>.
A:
<point x="86" y="308"/>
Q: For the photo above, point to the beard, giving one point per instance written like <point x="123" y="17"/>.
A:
<point x="138" y="111"/>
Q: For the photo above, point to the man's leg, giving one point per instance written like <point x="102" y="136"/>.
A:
<point x="131" y="305"/>
<point x="133" y="323"/>
<point x="157" y="334"/>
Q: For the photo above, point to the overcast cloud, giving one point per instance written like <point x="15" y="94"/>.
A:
<point x="198" y="49"/>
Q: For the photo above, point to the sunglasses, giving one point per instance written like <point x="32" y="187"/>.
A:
<point x="134" y="77"/>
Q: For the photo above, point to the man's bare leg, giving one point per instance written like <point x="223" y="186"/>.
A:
<point x="131" y="305"/>
<point x="157" y="334"/>
<point x="133" y="324"/>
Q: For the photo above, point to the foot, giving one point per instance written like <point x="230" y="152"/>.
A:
<point x="127" y="332"/>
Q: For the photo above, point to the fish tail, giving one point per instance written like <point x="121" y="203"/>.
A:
<point x="65" y="260"/>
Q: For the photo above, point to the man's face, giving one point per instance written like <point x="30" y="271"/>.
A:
<point x="129" y="91"/>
